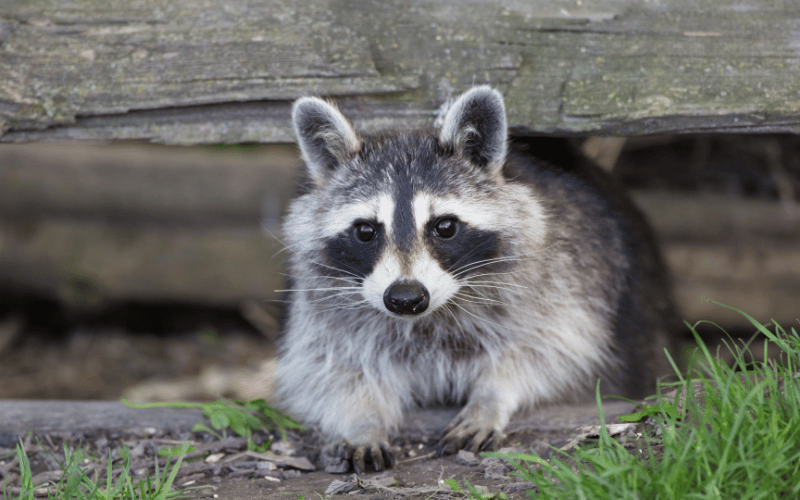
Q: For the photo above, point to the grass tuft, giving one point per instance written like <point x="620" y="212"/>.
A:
<point x="75" y="483"/>
<point x="728" y="431"/>
<point x="242" y="417"/>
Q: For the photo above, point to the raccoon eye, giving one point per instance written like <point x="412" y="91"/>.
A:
<point x="445" y="227"/>
<point x="365" y="232"/>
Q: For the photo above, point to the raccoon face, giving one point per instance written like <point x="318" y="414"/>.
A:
<point x="406" y="219"/>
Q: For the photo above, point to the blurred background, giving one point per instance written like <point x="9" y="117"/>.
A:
<point x="146" y="157"/>
<point x="151" y="271"/>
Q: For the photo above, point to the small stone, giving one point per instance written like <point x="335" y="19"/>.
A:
<point x="340" y="487"/>
<point x="465" y="457"/>
<point x="481" y="490"/>
<point x="290" y="474"/>
<point x="335" y="465"/>
<point x="494" y="468"/>
<point x="384" y="479"/>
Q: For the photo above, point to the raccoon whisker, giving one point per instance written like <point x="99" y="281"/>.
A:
<point x="473" y="294"/>
<point x="478" y="317"/>
<point x="284" y="249"/>
<point x="508" y="258"/>
<point x="466" y="255"/>
<point x="475" y="265"/>
<point x="447" y="309"/>
<point x="493" y="260"/>
<point x="352" y="273"/>
<point x="488" y="301"/>
<point x="481" y="282"/>
<point x="476" y="277"/>
<point x="475" y="286"/>
<point x="351" y="305"/>
<point x="277" y="301"/>
<point x="273" y="235"/>
<point x="496" y="273"/>
<point x="329" y="289"/>
<point x="355" y="306"/>
<point x="346" y="295"/>
<point x="346" y="279"/>
<point x="344" y="291"/>
<point x="349" y="272"/>
<point x="477" y="299"/>
<point x="493" y="290"/>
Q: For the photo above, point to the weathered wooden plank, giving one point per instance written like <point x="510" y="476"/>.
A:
<point x="90" y="224"/>
<point x="760" y="277"/>
<point x="147" y="185"/>
<point x="90" y="263"/>
<point x="170" y="71"/>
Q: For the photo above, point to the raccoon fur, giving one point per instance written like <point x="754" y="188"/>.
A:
<point x="452" y="266"/>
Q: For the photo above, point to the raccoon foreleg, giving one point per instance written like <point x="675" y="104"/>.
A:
<point x="479" y="425"/>
<point x="356" y="416"/>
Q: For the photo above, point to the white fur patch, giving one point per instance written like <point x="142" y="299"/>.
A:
<point x="440" y="284"/>
<point x="476" y="213"/>
<point x="386" y="272"/>
<point x="341" y="218"/>
<point x="385" y="212"/>
<point x="421" y="210"/>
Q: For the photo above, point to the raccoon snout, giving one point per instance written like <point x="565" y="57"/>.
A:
<point x="407" y="297"/>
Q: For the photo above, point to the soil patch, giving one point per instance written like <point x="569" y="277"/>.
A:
<point x="225" y="468"/>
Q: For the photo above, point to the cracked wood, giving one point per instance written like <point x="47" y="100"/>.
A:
<point x="167" y="71"/>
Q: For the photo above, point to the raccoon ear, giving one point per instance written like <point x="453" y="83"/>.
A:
<point x="475" y="125"/>
<point x="326" y="138"/>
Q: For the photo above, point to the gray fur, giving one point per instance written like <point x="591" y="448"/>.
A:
<point x="562" y="304"/>
<point x="325" y="136"/>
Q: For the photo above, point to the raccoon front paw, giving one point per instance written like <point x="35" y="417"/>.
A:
<point x="467" y="433"/>
<point x="338" y="457"/>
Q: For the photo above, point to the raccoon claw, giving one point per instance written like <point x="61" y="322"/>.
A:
<point x="339" y="457"/>
<point x="463" y="436"/>
<point x="377" y="454"/>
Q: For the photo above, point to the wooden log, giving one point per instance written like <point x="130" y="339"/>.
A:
<point x="87" y="264"/>
<point x="736" y="251"/>
<point x="134" y="185"/>
<point x="168" y="71"/>
<point x="762" y="279"/>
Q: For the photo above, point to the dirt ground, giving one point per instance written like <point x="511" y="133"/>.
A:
<point x="48" y="353"/>
<point x="224" y="468"/>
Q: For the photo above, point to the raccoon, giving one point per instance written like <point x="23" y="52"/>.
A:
<point x="452" y="266"/>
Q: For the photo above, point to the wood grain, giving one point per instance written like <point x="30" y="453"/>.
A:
<point x="172" y="71"/>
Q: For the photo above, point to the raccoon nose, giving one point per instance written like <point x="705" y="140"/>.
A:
<point x="407" y="298"/>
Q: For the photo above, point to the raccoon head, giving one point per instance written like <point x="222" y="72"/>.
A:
<point x="405" y="217"/>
